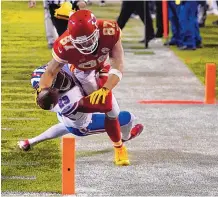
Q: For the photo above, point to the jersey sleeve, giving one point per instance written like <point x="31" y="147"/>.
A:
<point x="117" y="34"/>
<point x="59" y="52"/>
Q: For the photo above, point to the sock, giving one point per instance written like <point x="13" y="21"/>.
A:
<point x="112" y="126"/>
<point x="53" y="132"/>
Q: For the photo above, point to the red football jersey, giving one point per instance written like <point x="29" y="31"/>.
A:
<point x="64" y="52"/>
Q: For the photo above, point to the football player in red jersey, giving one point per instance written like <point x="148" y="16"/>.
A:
<point x="86" y="45"/>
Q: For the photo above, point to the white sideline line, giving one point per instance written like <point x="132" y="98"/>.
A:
<point x="26" y="118"/>
<point x="13" y="81"/>
<point x="15" y="69"/>
<point x="17" y="94"/>
<point x="18" y="177"/>
<point x="20" y="164"/>
<point x="23" y="129"/>
<point x="80" y="191"/>
<point x="18" y="102"/>
<point x="8" y="151"/>
<point x="21" y="194"/>
<point x="130" y="39"/>
<point x="18" y="88"/>
<point x="12" y="139"/>
<point x="6" y="129"/>
<point x="17" y="109"/>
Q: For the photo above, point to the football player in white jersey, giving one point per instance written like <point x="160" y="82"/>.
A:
<point x="71" y="119"/>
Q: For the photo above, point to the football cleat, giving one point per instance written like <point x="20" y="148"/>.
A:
<point x="121" y="156"/>
<point x="135" y="131"/>
<point x="24" y="145"/>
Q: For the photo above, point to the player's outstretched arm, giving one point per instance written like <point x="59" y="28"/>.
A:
<point x="50" y="74"/>
<point x="115" y="75"/>
<point x="117" y="63"/>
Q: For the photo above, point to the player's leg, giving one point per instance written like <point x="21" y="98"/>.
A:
<point x="112" y="127"/>
<point x="55" y="131"/>
<point x="128" y="7"/>
<point x="89" y="84"/>
<point x="128" y="130"/>
<point x="126" y="121"/>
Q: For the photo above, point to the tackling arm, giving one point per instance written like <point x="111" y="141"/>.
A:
<point x="115" y="75"/>
<point x="117" y="63"/>
<point x="50" y="74"/>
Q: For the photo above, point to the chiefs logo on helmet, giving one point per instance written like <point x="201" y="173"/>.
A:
<point x="94" y="20"/>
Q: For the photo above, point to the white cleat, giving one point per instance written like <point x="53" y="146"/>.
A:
<point x="24" y="145"/>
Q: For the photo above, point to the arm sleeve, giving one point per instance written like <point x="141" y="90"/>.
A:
<point x="117" y="33"/>
<point x="59" y="53"/>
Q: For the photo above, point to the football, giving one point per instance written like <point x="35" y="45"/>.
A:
<point x="47" y="98"/>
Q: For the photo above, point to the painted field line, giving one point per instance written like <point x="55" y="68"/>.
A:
<point x="6" y="129"/>
<point x="20" y="164"/>
<point x="19" y="102"/>
<point x="25" y="118"/>
<point x="130" y="39"/>
<point x="18" y="94"/>
<point x="7" y="71"/>
<point x="14" y="81"/>
<point x="17" y="109"/>
<point x="9" y="151"/>
<point x="18" y="177"/>
<point x="13" y="139"/>
<point x="29" y="152"/>
<point x="21" y="194"/>
<point x="170" y="102"/>
<point x="18" y="87"/>
<point x="130" y="35"/>
<point x="23" y="129"/>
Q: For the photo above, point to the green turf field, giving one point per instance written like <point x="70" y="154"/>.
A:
<point x="23" y="49"/>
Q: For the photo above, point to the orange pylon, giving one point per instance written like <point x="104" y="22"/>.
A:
<point x="210" y="83"/>
<point x="68" y="165"/>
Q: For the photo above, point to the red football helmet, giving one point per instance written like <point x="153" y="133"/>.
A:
<point x="84" y="32"/>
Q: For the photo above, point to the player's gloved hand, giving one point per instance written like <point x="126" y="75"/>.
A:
<point x="64" y="11"/>
<point x="99" y="94"/>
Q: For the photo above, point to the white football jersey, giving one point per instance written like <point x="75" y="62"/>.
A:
<point x="67" y="103"/>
